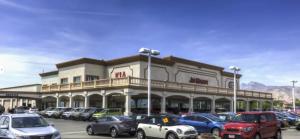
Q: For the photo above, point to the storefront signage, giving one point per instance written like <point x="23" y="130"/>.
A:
<point x="198" y="81"/>
<point x="120" y="74"/>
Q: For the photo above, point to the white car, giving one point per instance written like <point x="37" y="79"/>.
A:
<point x="164" y="127"/>
<point x="50" y="113"/>
<point x="27" y="126"/>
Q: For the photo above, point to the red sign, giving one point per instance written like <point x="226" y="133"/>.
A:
<point x="198" y="81"/>
<point x="120" y="74"/>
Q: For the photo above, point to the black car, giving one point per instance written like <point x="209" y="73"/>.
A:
<point x="113" y="125"/>
<point x="88" y="113"/>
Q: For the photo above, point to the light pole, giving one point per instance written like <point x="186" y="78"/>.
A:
<point x="235" y="70"/>
<point x="150" y="53"/>
<point x="293" y="91"/>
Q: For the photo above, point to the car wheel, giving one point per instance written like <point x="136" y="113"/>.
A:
<point x="140" y="134"/>
<point x="215" y="131"/>
<point x="257" y="136"/>
<point x="113" y="133"/>
<point x="90" y="131"/>
<point x="172" y="136"/>
<point x="278" y="135"/>
<point x="132" y="133"/>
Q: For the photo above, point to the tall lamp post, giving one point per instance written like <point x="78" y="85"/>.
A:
<point x="235" y="70"/>
<point x="150" y="53"/>
<point x="293" y="91"/>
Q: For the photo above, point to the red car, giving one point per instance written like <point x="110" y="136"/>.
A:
<point x="252" y="125"/>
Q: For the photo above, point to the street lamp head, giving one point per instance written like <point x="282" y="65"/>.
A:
<point x="155" y="52"/>
<point x="235" y="68"/>
<point x="144" y="51"/>
<point x="294" y="81"/>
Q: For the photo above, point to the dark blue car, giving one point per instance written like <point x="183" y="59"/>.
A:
<point x="204" y="123"/>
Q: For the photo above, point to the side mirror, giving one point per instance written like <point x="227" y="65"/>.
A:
<point x="51" y="124"/>
<point x="159" y="125"/>
<point x="207" y="122"/>
<point x="3" y="126"/>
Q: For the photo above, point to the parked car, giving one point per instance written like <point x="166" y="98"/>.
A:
<point x="107" y="112"/>
<point x="226" y="116"/>
<point x="21" y="109"/>
<point x="33" y="110"/>
<point x="290" y="118"/>
<point x="204" y="123"/>
<point x="58" y="114"/>
<point x="23" y="126"/>
<point x="88" y="113"/>
<point x="283" y="121"/>
<point x="252" y="125"/>
<point x="75" y="114"/>
<point x="113" y="125"/>
<point x="138" y="117"/>
<point x="67" y="114"/>
<point x="43" y="112"/>
<point x="51" y="113"/>
<point x="164" y="127"/>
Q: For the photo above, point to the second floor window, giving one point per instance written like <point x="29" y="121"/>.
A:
<point x="91" y="77"/>
<point x="231" y="85"/>
<point x="77" y="79"/>
<point x="63" y="80"/>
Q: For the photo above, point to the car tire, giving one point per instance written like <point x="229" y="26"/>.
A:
<point x="278" y="135"/>
<point x="113" y="132"/>
<point x="172" y="136"/>
<point x="215" y="131"/>
<point x="257" y="136"/>
<point x="90" y="131"/>
<point x="140" y="134"/>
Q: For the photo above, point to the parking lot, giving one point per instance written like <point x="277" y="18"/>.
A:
<point x="76" y="130"/>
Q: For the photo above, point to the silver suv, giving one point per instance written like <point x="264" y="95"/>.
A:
<point x="164" y="127"/>
<point x="27" y="126"/>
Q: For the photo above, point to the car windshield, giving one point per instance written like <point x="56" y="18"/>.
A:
<point x="80" y="110"/>
<point x="170" y="121"/>
<point x="213" y="118"/>
<point x="28" y="122"/>
<point x="248" y="118"/>
<point x="124" y="118"/>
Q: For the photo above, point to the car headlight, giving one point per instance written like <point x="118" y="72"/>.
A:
<point x="56" y="135"/>
<point x="247" y="129"/>
<point x="179" y="131"/>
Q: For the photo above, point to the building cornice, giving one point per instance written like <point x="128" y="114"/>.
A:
<point x="80" y="61"/>
<point x="49" y="73"/>
<point x="229" y="74"/>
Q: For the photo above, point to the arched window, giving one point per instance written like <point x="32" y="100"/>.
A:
<point x="231" y="85"/>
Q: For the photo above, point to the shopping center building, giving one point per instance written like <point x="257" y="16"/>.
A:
<point x="178" y="85"/>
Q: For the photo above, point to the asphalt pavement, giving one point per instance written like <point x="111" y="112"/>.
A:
<point x="70" y="129"/>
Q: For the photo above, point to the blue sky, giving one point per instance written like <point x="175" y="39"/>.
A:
<point x="260" y="36"/>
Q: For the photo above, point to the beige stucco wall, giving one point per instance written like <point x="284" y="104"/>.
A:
<point x="91" y="69"/>
<point x="158" y="72"/>
<point x="70" y="72"/>
<point x="52" y="79"/>
<point x="130" y="69"/>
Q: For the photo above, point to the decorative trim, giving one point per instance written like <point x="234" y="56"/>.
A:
<point x="129" y="66"/>
<point x="165" y="68"/>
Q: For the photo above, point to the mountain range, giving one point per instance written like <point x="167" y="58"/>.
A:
<point x="279" y="92"/>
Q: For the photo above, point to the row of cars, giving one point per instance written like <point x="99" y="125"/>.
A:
<point x="246" y="125"/>
<point x="84" y="114"/>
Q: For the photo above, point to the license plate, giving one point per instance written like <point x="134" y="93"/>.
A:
<point x="231" y="136"/>
<point x="132" y="129"/>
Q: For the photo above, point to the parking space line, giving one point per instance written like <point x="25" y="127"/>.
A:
<point x="77" y="132"/>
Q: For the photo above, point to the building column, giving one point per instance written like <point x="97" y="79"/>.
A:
<point x="163" y="105"/>
<point x="86" y="101"/>
<point x="57" y="101"/>
<point x="11" y="103"/>
<point x="247" y="105"/>
<point x="261" y="105"/>
<point x="272" y="105"/>
<point x="27" y="102"/>
<point x="191" y="109"/>
<point x="21" y="101"/>
<point x="2" y="102"/>
<point x="232" y="105"/>
<point x="213" y="105"/>
<point x="33" y="103"/>
<point x="127" y="105"/>
<point x="104" y="104"/>
<point x="70" y="101"/>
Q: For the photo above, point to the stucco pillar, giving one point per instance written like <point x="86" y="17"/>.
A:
<point x="27" y="102"/>
<point x="86" y="101"/>
<point x="213" y="105"/>
<point x="70" y="101"/>
<point x="191" y="108"/>
<point x="33" y="103"/>
<point x="163" y="105"/>
<point x="11" y="103"/>
<point x="231" y="105"/>
<point x="272" y="105"/>
<point x="104" y="104"/>
<point x="57" y="101"/>
<point x="127" y="105"/>
<point x="247" y="105"/>
<point x="21" y="101"/>
<point x="261" y="105"/>
<point x="2" y="102"/>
